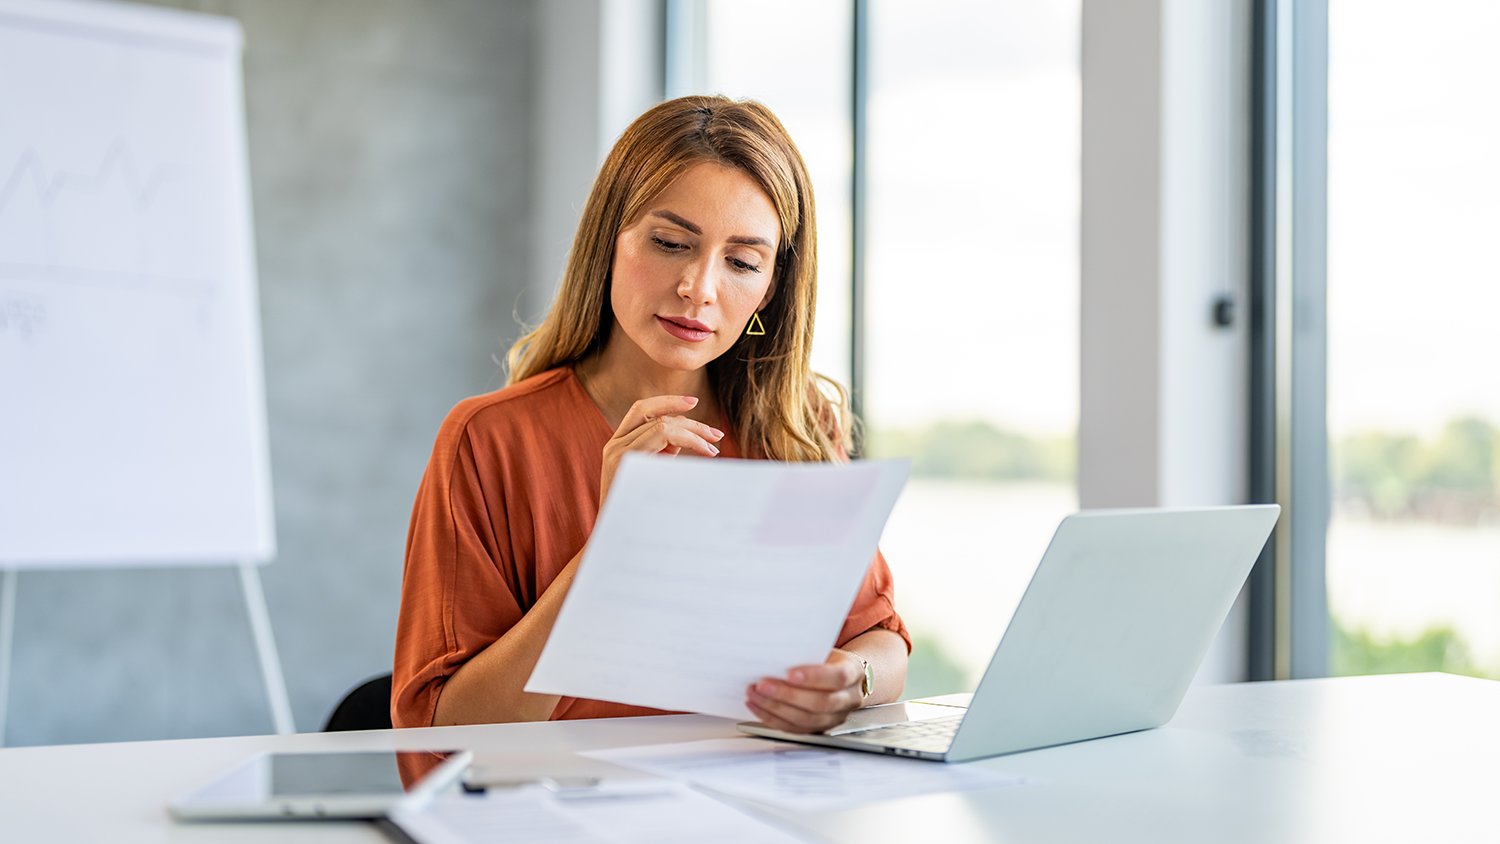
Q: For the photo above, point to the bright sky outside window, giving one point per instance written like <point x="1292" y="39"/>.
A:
<point x="1414" y="336"/>
<point x="972" y="282"/>
<point x="796" y="58"/>
<point x="972" y="276"/>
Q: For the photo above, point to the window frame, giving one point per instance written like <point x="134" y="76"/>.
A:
<point x="1288" y="625"/>
<point x="1288" y="636"/>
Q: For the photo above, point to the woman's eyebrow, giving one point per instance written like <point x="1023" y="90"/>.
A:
<point x="751" y="241"/>
<point x="669" y="216"/>
<point x="747" y="240"/>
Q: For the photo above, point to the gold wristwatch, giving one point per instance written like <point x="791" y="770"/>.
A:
<point x="867" y="684"/>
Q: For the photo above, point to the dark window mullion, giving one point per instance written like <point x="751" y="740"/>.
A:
<point x="1261" y="640"/>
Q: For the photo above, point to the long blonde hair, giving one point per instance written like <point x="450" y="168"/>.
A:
<point x="779" y="408"/>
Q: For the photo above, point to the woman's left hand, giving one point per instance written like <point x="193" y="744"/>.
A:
<point x="812" y="698"/>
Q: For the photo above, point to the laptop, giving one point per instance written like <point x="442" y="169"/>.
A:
<point x="1106" y="640"/>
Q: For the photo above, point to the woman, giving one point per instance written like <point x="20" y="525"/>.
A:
<point x="683" y="325"/>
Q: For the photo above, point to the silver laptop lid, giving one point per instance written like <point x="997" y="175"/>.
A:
<point x="1112" y="628"/>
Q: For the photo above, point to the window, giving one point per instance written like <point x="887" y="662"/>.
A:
<point x="971" y="281"/>
<point x="1413" y="554"/>
<point x="972" y="315"/>
<point x="797" y="59"/>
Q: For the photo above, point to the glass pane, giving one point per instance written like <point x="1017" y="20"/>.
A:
<point x="1413" y="345"/>
<point x="973" y="308"/>
<point x="796" y="58"/>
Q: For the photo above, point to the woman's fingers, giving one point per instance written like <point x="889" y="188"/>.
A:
<point x="771" y="719"/>
<point x="824" y="710"/>
<point x="672" y="432"/>
<point x="653" y="422"/>
<point x="811" y="698"/>
<point x="655" y="407"/>
<point x="843" y="698"/>
<point x="841" y="670"/>
<point x="652" y="426"/>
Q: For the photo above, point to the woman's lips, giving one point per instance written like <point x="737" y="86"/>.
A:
<point x="690" y="330"/>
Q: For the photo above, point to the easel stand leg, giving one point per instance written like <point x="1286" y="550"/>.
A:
<point x="265" y="648"/>
<point x="9" y="581"/>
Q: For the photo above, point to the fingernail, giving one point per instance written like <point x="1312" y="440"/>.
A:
<point x="717" y="433"/>
<point x="796" y="676"/>
<point x="691" y="400"/>
<point x="713" y="448"/>
<point x="765" y="688"/>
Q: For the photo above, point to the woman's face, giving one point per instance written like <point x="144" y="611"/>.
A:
<point x="690" y="272"/>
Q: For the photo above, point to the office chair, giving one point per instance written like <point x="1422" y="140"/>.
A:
<point x="367" y="707"/>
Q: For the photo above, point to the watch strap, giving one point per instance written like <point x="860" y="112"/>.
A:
<point x="867" y="682"/>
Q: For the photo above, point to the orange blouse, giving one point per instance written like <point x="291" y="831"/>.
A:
<point x="508" y="499"/>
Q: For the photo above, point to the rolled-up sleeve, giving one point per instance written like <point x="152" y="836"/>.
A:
<point x="455" y="597"/>
<point x="875" y="606"/>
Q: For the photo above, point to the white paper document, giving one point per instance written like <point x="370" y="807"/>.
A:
<point x="800" y="777"/>
<point x="703" y="576"/>
<point x="636" y="812"/>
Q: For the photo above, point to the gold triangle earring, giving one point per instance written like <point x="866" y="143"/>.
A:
<point x="756" y="328"/>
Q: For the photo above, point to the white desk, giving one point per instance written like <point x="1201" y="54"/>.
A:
<point x="1402" y="758"/>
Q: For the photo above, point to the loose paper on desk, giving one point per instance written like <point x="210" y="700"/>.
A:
<point x="799" y="777"/>
<point x="703" y="576"/>
<point x="620" y="813"/>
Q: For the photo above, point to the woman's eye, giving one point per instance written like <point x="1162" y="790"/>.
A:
<point x="667" y="244"/>
<point x="743" y="266"/>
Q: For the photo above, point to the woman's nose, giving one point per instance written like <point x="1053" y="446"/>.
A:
<point x="697" y="283"/>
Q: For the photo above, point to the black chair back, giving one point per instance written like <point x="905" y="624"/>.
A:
<point x="367" y="707"/>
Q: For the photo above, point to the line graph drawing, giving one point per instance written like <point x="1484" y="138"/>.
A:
<point x="55" y="238"/>
<point x="119" y="156"/>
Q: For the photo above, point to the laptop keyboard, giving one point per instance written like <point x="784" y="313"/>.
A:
<point x="931" y="736"/>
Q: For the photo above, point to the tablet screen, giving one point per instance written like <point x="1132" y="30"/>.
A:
<point x="361" y="784"/>
<point x="289" y="775"/>
<point x="302" y="774"/>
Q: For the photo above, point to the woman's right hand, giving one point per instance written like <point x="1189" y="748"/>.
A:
<point x="651" y="426"/>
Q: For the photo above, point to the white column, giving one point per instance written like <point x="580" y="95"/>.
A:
<point x="598" y="66"/>
<point x="1163" y="415"/>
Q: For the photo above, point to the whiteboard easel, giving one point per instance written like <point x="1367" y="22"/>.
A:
<point x="133" y="428"/>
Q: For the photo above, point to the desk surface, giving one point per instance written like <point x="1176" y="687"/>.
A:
<point x="1396" y="758"/>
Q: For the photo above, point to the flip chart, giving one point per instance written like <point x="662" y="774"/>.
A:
<point x="132" y="402"/>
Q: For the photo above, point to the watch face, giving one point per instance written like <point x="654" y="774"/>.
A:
<point x="869" y="684"/>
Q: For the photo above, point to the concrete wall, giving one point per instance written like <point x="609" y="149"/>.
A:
<point x="390" y="147"/>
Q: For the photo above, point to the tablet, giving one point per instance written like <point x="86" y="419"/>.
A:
<point x="366" y="784"/>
